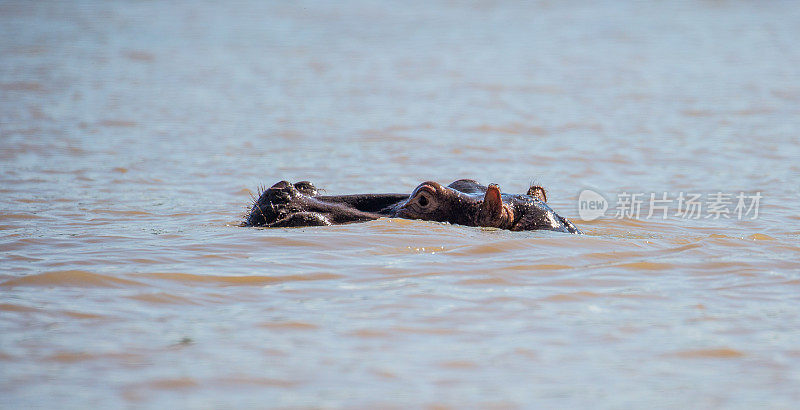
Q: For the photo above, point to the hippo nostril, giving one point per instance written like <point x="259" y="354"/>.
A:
<point x="281" y="185"/>
<point x="278" y="195"/>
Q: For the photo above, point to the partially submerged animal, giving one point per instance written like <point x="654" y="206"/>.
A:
<point x="464" y="202"/>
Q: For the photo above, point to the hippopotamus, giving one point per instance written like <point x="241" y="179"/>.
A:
<point x="463" y="202"/>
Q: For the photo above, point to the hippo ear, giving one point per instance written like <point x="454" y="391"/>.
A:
<point x="537" y="192"/>
<point x="492" y="206"/>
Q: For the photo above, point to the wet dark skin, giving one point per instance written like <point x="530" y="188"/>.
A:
<point x="464" y="202"/>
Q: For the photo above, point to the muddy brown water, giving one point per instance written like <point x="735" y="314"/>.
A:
<point x="132" y="135"/>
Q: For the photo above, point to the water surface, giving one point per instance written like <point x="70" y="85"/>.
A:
<point x="133" y="134"/>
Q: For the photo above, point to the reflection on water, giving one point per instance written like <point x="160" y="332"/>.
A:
<point x="133" y="133"/>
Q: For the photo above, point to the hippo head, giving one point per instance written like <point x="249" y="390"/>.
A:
<point x="431" y="201"/>
<point x="465" y="202"/>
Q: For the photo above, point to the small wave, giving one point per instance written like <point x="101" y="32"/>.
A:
<point x="16" y="216"/>
<point x="492" y="247"/>
<point x="256" y="381"/>
<point x="424" y="330"/>
<point x="488" y="281"/>
<point x="537" y="267"/>
<point x="173" y="383"/>
<point x="22" y="86"/>
<point x="70" y="278"/>
<point x="458" y="364"/>
<point x="137" y="212"/>
<point x="162" y="298"/>
<point x="117" y="123"/>
<point x="719" y="353"/>
<point x="81" y="315"/>
<point x="238" y="280"/>
<point x="289" y="325"/>
<point x="646" y="265"/>
<point x="571" y="297"/>
<point x="73" y="357"/>
<point x="8" y="307"/>
<point x="584" y="295"/>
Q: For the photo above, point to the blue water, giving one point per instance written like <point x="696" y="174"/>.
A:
<point x="132" y="135"/>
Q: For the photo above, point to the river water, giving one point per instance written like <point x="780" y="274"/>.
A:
<point x="133" y="134"/>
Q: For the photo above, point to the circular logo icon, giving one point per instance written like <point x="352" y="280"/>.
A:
<point x="591" y="205"/>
